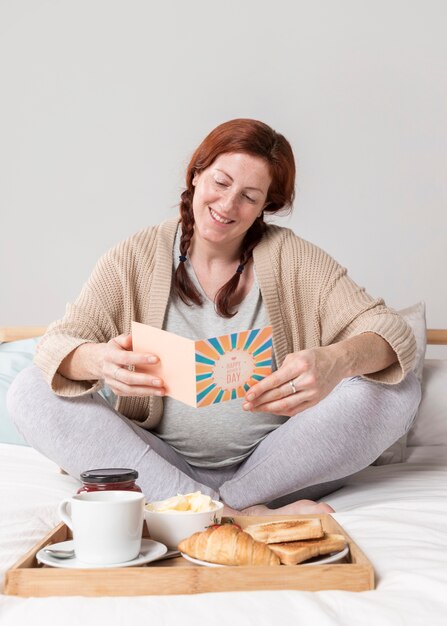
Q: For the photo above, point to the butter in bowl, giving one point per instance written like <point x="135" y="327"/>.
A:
<point x="174" y="519"/>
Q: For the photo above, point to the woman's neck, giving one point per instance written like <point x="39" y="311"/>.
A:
<point x="209" y="255"/>
<point x="214" y="267"/>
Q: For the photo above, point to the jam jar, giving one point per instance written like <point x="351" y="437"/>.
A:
<point x="109" y="479"/>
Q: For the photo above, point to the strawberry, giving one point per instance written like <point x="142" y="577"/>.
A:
<point x="224" y="520"/>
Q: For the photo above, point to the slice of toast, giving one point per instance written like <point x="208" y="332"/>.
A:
<point x="294" y="552"/>
<point x="286" y="530"/>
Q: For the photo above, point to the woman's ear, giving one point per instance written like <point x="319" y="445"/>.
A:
<point x="195" y="179"/>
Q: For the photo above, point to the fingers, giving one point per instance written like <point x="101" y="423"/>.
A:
<point x="122" y="389"/>
<point x="129" y="377"/>
<point x="125" y="382"/>
<point x="271" y="384"/>
<point x="278" y="393"/>
<point x="303" y="380"/>
<point x="287" y="391"/>
<point x="124" y="340"/>
<point x="280" y="401"/>
<point x="289" y="405"/>
<point x="286" y="406"/>
<point x="119" y="372"/>
<point x="124" y="354"/>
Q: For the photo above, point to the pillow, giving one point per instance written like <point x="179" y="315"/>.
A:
<point x="14" y="357"/>
<point x="430" y="425"/>
<point x="415" y="317"/>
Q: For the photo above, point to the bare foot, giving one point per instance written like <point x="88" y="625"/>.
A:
<point x="227" y="511"/>
<point x="295" y="508"/>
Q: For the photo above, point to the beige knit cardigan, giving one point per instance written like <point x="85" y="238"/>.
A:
<point x="309" y="297"/>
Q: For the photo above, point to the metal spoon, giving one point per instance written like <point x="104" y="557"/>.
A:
<point x="60" y="554"/>
<point x="69" y="554"/>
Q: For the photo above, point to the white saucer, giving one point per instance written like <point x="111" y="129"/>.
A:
<point x="150" y="551"/>
<point x="334" y="557"/>
<point x="198" y="562"/>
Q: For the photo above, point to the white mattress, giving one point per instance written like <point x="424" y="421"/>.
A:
<point x="396" y="513"/>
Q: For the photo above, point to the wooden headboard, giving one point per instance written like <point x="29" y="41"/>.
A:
<point x="435" y="337"/>
<point x="14" y="333"/>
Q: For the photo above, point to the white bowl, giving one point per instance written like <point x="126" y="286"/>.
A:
<point x="171" y="527"/>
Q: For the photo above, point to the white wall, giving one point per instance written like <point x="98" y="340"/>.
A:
<point x="102" y="102"/>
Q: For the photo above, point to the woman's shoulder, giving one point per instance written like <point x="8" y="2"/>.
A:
<point x="292" y="260"/>
<point x="144" y="242"/>
<point x="283" y="241"/>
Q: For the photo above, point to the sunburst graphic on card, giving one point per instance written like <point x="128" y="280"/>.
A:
<point x="227" y="366"/>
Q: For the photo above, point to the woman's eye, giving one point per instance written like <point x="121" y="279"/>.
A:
<point x="221" y="183"/>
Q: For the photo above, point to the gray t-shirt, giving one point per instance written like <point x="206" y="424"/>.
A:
<point x="220" y="434"/>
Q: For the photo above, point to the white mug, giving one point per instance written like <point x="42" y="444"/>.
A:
<point x="106" y="525"/>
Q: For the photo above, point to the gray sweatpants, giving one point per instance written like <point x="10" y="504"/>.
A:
<point x="309" y="456"/>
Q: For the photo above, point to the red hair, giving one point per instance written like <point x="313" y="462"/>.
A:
<point x="256" y="139"/>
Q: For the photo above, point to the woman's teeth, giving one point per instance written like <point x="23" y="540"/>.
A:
<point x="218" y="218"/>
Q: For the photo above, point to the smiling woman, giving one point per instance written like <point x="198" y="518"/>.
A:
<point x="341" y="391"/>
<point x="223" y="214"/>
<point x="242" y="169"/>
<point x="226" y="205"/>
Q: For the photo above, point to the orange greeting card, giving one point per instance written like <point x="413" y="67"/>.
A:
<point x="208" y="371"/>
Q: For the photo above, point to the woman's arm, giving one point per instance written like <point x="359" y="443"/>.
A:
<point x="316" y="371"/>
<point x="363" y="354"/>
<point x="84" y="363"/>
<point x="347" y="311"/>
<point x="113" y="362"/>
<point x="71" y="353"/>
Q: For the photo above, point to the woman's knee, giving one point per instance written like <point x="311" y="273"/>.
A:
<point x="397" y="404"/>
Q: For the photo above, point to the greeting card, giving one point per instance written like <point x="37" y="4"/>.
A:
<point x="207" y="371"/>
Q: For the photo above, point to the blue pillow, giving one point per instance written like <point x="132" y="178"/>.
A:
<point x="14" y="357"/>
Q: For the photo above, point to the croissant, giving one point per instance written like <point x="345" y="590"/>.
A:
<point x="227" y="545"/>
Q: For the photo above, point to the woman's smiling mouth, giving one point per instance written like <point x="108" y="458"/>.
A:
<point x="219" y="218"/>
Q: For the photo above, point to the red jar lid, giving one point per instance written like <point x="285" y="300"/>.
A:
<point x="109" y="475"/>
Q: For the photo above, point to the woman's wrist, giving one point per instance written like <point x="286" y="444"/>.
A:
<point x="344" y="359"/>
<point x="363" y="354"/>
<point x="84" y="362"/>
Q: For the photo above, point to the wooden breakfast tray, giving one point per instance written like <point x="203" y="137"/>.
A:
<point x="179" y="576"/>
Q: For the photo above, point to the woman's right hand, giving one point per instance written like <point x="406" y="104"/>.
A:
<point x="118" y="365"/>
<point x="114" y="362"/>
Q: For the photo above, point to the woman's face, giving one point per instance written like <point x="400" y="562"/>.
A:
<point x="229" y="195"/>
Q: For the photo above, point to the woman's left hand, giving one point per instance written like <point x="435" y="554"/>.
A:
<point x="305" y="378"/>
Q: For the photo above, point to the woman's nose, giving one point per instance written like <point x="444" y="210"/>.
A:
<point x="228" y="201"/>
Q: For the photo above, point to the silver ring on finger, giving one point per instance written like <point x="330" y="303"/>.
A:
<point x="294" y="389"/>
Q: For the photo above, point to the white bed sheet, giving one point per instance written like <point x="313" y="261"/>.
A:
<point x="396" y="513"/>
